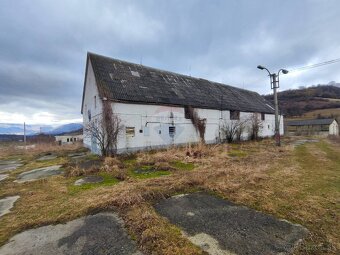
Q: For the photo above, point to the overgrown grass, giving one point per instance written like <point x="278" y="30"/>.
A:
<point x="298" y="184"/>
<point x="144" y="172"/>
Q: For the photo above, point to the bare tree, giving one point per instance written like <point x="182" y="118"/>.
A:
<point x="232" y="131"/>
<point x="255" y="126"/>
<point x="105" y="130"/>
<point x="199" y="124"/>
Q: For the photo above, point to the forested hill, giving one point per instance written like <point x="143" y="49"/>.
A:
<point x="297" y="102"/>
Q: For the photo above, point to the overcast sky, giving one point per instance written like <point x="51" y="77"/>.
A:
<point x="43" y="46"/>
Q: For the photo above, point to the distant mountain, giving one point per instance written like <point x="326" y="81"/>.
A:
<point x="18" y="129"/>
<point x="297" y="102"/>
<point x="68" y="128"/>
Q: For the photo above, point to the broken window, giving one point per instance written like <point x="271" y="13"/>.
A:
<point x="234" y="115"/>
<point x="68" y="139"/>
<point x="263" y="116"/>
<point x="187" y="112"/>
<point x="130" y="131"/>
<point x="172" y="131"/>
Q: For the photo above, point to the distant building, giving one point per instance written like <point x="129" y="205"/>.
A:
<point x="68" y="139"/>
<point x="155" y="106"/>
<point x="313" y="127"/>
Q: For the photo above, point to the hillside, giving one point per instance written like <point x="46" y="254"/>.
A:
<point x="311" y="102"/>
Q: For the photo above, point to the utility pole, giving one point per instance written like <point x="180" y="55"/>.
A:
<point x="274" y="83"/>
<point x="275" y="86"/>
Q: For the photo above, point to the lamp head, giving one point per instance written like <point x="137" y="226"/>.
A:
<point x="260" y="67"/>
<point x="284" y="71"/>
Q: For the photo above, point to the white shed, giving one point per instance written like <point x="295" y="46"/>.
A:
<point x="322" y="127"/>
<point x="68" y="139"/>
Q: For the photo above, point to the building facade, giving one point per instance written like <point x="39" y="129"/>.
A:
<point x="153" y="106"/>
<point x="322" y="127"/>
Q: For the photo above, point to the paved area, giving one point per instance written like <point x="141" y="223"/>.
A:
<point x="98" y="234"/>
<point x="3" y="176"/>
<point x="221" y="227"/>
<point x="9" y="165"/>
<point x="39" y="173"/>
<point x="6" y="204"/>
<point x="77" y="155"/>
<point x="89" y="179"/>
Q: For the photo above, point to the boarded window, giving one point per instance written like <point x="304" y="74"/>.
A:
<point x="263" y="116"/>
<point x="130" y="131"/>
<point x="234" y="115"/>
<point x="172" y="131"/>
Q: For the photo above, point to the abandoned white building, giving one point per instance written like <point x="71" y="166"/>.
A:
<point x="68" y="139"/>
<point x="154" y="105"/>
<point x="323" y="127"/>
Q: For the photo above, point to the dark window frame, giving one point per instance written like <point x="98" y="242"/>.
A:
<point x="234" y="115"/>
<point x="263" y="116"/>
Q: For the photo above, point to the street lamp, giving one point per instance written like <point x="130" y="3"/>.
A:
<point x="274" y="83"/>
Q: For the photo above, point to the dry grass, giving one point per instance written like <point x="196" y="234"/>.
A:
<point x="285" y="182"/>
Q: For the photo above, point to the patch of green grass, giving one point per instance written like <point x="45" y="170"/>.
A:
<point x="144" y="172"/>
<point x="108" y="181"/>
<point x="182" y="166"/>
<point x="237" y="153"/>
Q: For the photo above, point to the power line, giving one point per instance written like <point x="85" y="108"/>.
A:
<point x="303" y="68"/>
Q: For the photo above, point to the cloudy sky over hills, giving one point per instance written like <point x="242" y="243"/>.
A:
<point x="43" y="46"/>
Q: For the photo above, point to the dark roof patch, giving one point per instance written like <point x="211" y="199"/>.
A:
<point x="132" y="83"/>
<point x="310" y="122"/>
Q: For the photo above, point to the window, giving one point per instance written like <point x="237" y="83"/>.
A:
<point x="234" y="115"/>
<point x="187" y="112"/>
<point x="263" y="116"/>
<point x="68" y="139"/>
<point x="95" y="102"/>
<point x="172" y="131"/>
<point x="130" y="131"/>
<point x="74" y="139"/>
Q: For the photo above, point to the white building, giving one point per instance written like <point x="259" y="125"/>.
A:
<point x="323" y="127"/>
<point x="154" y="105"/>
<point x="68" y="139"/>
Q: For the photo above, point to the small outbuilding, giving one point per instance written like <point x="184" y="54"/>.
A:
<point x="322" y="127"/>
<point x="68" y="139"/>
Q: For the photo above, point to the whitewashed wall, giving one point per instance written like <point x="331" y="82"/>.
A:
<point x="152" y="122"/>
<point x="91" y="92"/>
<point x="334" y="128"/>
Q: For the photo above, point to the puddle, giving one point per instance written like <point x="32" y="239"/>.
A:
<point x="39" y="173"/>
<point x="102" y="233"/>
<point x="89" y="179"/>
<point x="221" y="227"/>
<point x="6" y="204"/>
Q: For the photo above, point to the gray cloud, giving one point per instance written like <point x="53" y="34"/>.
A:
<point x="43" y="44"/>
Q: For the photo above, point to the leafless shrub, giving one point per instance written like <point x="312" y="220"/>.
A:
<point x="255" y="126"/>
<point x="105" y="130"/>
<point x="233" y="130"/>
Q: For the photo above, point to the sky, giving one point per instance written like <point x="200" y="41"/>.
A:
<point x="43" y="46"/>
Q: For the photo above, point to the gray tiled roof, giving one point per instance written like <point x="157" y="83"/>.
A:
<point x="127" y="82"/>
<point x="310" y="122"/>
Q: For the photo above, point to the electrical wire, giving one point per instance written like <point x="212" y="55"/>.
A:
<point x="303" y="68"/>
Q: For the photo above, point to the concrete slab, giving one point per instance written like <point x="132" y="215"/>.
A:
<point x="9" y="165"/>
<point x="89" y="179"/>
<point x="47" y="157"/>
<point x="221" y="227"/>
<point x="3" y="176"/>
<point x="77" y="155"/>
<point x="304" y="141"/>
<point x="102" y="233"/>
<point x="6" y="204"/>
<point x="39" y="173"/>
